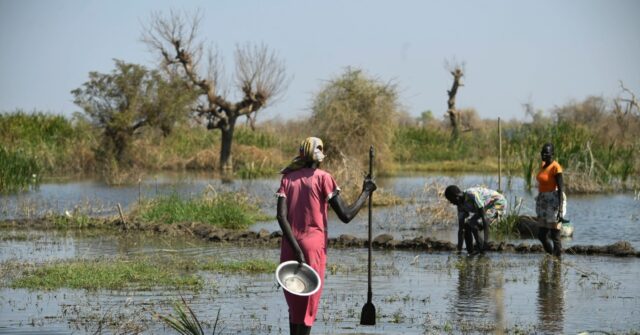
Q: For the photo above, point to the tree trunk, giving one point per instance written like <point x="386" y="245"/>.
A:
<point x="454" y="116"/>
<point x="455" y="127"/>
<point x="226" y="161"/>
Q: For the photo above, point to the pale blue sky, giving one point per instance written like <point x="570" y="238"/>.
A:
<point x="548" y="52"/>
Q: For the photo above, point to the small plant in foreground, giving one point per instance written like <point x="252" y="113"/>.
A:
<point x="507" y="225"/>
<point x="185" y="322"/>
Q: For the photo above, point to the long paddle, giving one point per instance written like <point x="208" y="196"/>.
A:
<point x="368" y="316"/>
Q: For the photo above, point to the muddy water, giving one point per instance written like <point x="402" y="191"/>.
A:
<point x="414" y="293"/>
<point x="598" y="219"/>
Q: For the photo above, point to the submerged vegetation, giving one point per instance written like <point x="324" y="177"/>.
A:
<point x="140" y="273"/>
<point x="105" y="274"/>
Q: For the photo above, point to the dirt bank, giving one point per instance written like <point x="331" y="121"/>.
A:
<point x="272" y="239"/>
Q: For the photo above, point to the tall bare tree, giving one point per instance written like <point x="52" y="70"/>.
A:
<point x="259" y="74"/>
<point x="457" y="71"/>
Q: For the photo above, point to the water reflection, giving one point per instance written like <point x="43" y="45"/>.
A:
<point x="586" y="212"/>
<point x="550" y="296"/>
<point x="434" y="294"/>
<point x="473" y="296"/>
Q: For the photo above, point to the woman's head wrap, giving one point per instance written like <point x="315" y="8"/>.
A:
<point x="310" y="152"/>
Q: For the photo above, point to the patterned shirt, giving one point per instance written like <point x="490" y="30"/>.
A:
<point x="479" y="197"/>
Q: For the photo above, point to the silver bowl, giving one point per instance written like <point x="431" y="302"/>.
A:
<point x="298" y="279"/>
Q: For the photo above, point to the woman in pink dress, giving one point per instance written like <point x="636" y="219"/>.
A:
<point x="304" y="193"/>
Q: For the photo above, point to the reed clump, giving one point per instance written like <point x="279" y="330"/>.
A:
<point x="229" y="210"/>
<point x="60" y="146"/>
<point x="18" y="171"/>
<point x="507" y="225"/>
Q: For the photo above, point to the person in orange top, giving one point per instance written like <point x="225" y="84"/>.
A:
<point x="549" y="202"/>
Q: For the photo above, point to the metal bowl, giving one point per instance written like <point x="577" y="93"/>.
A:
<point x="298" y="279"/>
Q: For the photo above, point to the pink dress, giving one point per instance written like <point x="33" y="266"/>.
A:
<point x="307" y="191"/>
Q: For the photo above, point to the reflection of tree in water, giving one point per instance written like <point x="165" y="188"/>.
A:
<point x="473" y="296"/>
<point x="550" y="296"/>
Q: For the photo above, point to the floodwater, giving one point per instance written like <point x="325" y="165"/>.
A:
<point x="600" y="219"/>
<point x="413" y="292"/>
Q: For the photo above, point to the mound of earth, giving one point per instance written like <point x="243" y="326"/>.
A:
<point x="272" y="239"/>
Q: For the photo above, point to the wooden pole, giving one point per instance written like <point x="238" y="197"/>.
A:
<point x="124" y="222"/>
<point x="499" y="156"/>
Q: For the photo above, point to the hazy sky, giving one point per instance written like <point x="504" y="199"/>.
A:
<point x="545" y="52"/>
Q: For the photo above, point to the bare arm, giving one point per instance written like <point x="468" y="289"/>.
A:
<point x="347" y="212"/>
<point x="286" y="229"/>
<point x="560" y="192"/>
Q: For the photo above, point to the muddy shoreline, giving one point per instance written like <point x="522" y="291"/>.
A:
<point x="272" y="239"/>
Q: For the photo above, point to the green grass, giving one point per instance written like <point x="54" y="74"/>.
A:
<point x="139" y="273"/>
<point x="77" y="220"/>
<point x="507" y="225"/>
<point x="187" y="141"/>
<point x="116" y="274"/>
<point x="253" y="171"/>
<point x="18" y="171"/>
<point x="59" y="145"/>
<point x="185" y="321"/>
<point x="34" y="128"/>
<point x="260" y="139"/>
<point x="226" y="210"/>
<point x="424" y="145"/>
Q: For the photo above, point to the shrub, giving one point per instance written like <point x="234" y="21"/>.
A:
<point x="18" y="171"/>
<point x="353" y="112"/>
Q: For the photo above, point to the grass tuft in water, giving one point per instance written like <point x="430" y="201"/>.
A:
<point x="116" y="274"/>
<point x="507" y="226"/>
<point x="185" y="321"/>
<point x="226" y="210"/>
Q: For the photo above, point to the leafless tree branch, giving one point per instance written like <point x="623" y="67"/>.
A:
<point x="260" y="74"/>
<point x="632" y="101"/>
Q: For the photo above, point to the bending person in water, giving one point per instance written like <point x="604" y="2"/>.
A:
<point x="484" y="206"/>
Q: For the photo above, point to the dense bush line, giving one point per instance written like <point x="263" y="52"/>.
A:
<point x="596" y="145"/>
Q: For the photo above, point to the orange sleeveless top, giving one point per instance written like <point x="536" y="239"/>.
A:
<point x="547" y="177"/>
